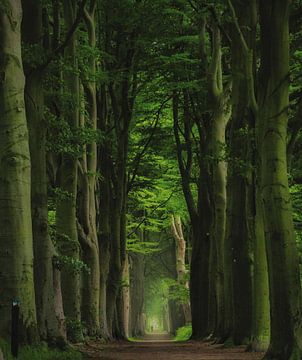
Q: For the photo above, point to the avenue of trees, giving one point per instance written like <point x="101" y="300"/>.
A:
<point x="150" y="170"/>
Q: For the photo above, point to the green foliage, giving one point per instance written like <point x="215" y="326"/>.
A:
<point x="142" y="247"/>
<point x="71" y="265"/>
<point x="156" y="189"/>
<point x="61" y="241"/>
<point x="176" y="291"/>
<point x="39" y="353"/>
<point x="63" y="139"/>
<point x="296" y="194"/>
<point x="75" y="329"/>
<point x="184" y="333"/>
<point x="33" y="55"/>
<point x="62" y="195"/>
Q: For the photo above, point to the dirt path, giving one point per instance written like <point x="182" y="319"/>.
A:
<point x="162" y="348"/>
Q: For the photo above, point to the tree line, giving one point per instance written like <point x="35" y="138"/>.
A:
<point x="115" y="115"/>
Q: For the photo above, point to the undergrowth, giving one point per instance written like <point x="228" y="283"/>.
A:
<point x="183" y="333"/>
<point x="39" y="353"/>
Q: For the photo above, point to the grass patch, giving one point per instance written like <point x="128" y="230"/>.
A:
<point x="184" y="333"/>
<point x="39" y="353"/>
<point x="132" y="339"/>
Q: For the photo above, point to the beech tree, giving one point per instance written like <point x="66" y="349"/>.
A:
<point x="66" y="221"/>
<point x="50" y="317"/>
<point x="279" y="235"/>
<point x="17" y="277"/>
<point x="87" y="225"/>
<point x="181" y="261"/>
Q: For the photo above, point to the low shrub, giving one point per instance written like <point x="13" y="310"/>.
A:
<point x="183" y="333"/>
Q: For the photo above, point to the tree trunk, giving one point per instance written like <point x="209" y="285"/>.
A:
<point x="176" y="316"/>
<point x="180" y="262"/>
<point x="89" y="243"/>
<point x="219" y="170"/>
<point x="283" y="264"/>
<point x="261" y="320"/>
<point x="90" y="246"/>
<point x="240" y="233"/>
<point x="104" y="246"/>
<point x="219" y="99"/>
<point x="126" y="297"/>
<point x="245" y="101"/>
<point x="66" y="223"/>
<point x="137" y="271"/>
<point x="118" y="217"/>
<point x="16" y="242"/>
<point x="104" y="231"/>
<point x="228" y="274"/>
<point x="50" y="320"/>
<point x="120" y="300"/>
<point x="201" y="220"/>
<point x="115" y="267"/>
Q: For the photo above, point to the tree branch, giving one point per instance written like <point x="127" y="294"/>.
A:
<point x="68" y="36"/>
<point x="185" y="176"/>
<point x="139" y="156"/>
<point x="249" y="61"/>
<point x="153" y="210"/>
<point x="215" y="66"/>
<point x="236" y="23"/>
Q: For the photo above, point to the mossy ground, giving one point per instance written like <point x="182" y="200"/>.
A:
<point x="41" y="352"/>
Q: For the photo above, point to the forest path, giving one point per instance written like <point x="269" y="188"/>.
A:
<point x="163" y="348"/>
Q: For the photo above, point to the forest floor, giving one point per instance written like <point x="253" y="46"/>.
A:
<point x="161" y="347"/>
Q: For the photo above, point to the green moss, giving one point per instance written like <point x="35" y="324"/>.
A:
<point x="39" y="353"/>
<point x="184" y="333"/>
<point x="132" y="339"/>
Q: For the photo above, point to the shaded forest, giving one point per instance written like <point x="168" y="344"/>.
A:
<point x="150" y="172"/>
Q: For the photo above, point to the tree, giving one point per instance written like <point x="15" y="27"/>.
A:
<point x="50" y="318"/>
<point x="283" y="264"/>
<point x="87" y="225"/>
<point x="220" y="96"/>
<point x="16" y="261"/>
<point x="240" y="179"/>
<point x="66" y="222"/>
<point x="180" y="247"/>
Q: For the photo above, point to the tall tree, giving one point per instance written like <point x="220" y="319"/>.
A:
<point x="180" y="247"/>
<point x="201" y="221"/>
<point x="16" y="244"/>
<point x="120" y="42"/>
<point x="66" y="223"/>
<point x="49" y="315"/>
<point x="104" y="232"/>
<point x="240" y="235"/>
<point x="87" y="210"/>
<point x="219" y="94"/>
<point x="283" y="263"/>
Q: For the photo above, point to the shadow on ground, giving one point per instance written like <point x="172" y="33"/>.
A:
<point x="162" y="347"/>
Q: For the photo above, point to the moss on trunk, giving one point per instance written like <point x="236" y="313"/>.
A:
<point x="283" y="264"/>
<point x="16" y="242"/>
